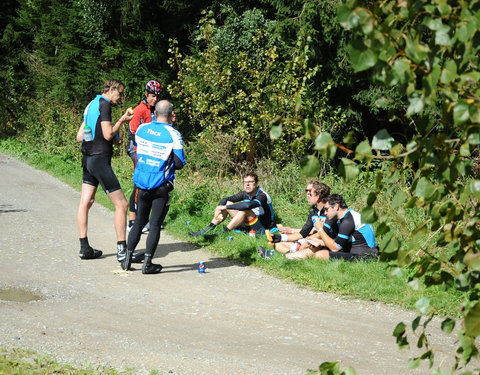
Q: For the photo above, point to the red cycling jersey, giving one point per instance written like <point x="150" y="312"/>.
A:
<point x="142" y="114"/>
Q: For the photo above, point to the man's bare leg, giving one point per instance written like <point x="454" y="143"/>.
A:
<point x="120" y="217"/>
<point x="302" y="254"/>
<point x="87" y="197"/>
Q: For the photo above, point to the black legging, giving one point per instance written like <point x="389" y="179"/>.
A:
<point x="132" y="206"/>
<point x="156" y="201"/>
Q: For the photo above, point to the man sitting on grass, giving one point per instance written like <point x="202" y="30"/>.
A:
<point x="355" y="240"/>
<point x="292" y="240"/>
<point x="250" y="209"/>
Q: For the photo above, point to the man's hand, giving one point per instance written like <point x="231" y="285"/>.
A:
<point x="127" y="116"/>
<point x="286" y="230"/>
<point x="319" y="224"/>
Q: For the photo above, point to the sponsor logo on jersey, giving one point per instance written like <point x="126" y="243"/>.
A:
<point x="153" y="163"/>
<point x="150" y="131"/>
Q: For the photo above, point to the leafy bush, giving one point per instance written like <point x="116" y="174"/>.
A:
<point x="235" y="83"/>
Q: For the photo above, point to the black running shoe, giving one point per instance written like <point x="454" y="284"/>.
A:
<point x="127" y="261"/>
<point x="121" y="252"/>
<point x="200" y="232"/>
<point x="146" y="228"/>
<point x="90" y="253"/>
<point x="151" y="268"/>
<point x="138" y="256"/>
<point x="264" y="253"/>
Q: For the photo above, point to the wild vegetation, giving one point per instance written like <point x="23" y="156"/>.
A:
<point x="383" y="94"/>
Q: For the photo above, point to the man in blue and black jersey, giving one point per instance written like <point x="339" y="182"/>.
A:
<point x="159" y="155"/>
<point x="250" y="209"/>
<point x="355" y="240"/>
<point x="97" y="152"/>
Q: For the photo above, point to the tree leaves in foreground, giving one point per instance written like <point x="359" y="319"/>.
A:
<point x="429" y="51"/>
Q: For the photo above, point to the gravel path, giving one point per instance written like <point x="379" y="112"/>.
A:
<point x="231" y="320"/>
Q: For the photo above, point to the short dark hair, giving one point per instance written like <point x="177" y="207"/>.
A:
<point x="115" y="83"/>
<point x="251" y="174"/>
<point x="336" y="198"/>
<point x="320" y="189"/>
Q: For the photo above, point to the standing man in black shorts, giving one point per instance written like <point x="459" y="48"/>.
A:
<point x="250" y="209"/>
<point x="96" y="162"/>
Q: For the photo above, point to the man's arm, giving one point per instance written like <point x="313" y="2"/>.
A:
<point x="234" y="198"/>
<point x="243" y="206"/>
<point x="178" y="163"/>
<point x="136" y="119"/>
<point x="178" y="153"/>
<point x="345" y="231"/>
<point x="109" y="131"/>
<point x="328" y="241"/>
<point x="80" y="132"/>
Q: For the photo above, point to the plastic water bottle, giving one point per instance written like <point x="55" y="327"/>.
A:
<point x="87" y="133"/>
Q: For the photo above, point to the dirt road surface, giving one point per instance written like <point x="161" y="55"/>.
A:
<point x="231" y="320"/>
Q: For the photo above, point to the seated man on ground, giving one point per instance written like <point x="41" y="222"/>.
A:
<point x="292" y="240"/>
<point x="249" y="209"/>
<point x="355" y="240"/>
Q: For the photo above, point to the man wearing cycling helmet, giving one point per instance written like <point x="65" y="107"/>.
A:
<point x="143" y="113"/>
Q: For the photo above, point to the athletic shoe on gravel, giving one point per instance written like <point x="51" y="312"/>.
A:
<point x="121" y="252"/>
<point x="138" y="256"/>
<point x="90" y="253"/>
<point x="127" y="261"/>
<point x="146" y="228"/>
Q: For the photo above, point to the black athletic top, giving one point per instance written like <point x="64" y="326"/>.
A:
<point x="260" y="204"/>
<point x="354" y="236"/>
<point x="330" y="226"/>
<point x="98" y="110"/>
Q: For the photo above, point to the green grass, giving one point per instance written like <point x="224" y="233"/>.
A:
<point x="27" y="362"/>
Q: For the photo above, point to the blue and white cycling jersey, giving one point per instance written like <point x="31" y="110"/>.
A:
<point x="157" y="143"/>
<point x="354" y="236"/>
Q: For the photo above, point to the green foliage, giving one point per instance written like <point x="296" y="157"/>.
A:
<point x="27" y="362"/>
<point x="429" y="52"/>
<point x="237" y="83"/>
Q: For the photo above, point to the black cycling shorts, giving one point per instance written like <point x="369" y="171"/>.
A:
<point x="368" y="255"/>
<point x="254" y="224"/>
<point x="97" y="168"/>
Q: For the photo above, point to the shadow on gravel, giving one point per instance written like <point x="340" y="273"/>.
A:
<point x="175" y="246"/>
<point x="211" y="264"/>
<point x="5" y="208"/>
